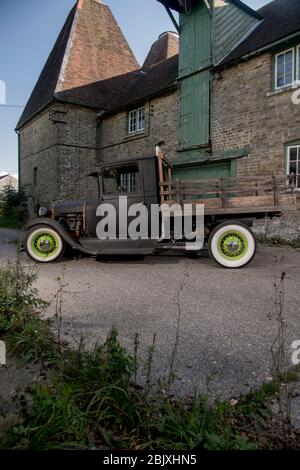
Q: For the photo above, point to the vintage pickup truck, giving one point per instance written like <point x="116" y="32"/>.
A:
<point x="231" y="205"/>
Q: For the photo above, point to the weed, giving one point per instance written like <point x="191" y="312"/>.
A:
<point x="21" y="311"/>
<point x="149" y="365"/>
<point x="136" y="348"/>
<point x="91" y="401"/>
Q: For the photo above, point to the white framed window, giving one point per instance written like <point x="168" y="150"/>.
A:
<point x="136" y="120"/>
<point x="125" y="179"/>
<point x="298" y="64"/>
<point x="285" y="68"/>
<point x="293" y="163"/>
<point x="128" y="182"/>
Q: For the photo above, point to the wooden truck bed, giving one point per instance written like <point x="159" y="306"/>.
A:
<point x="230" y="195"/>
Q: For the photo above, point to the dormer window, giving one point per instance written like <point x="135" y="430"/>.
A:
<point x="287" y="68"/>
<point x="136" y="120"/>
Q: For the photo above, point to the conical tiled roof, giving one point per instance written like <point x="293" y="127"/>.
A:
<point x="90" y="48"/>
<point x="165" y="47"/>
<point x="45" y="87"/>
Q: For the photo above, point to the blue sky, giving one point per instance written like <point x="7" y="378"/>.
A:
<point x="28" y="30"/>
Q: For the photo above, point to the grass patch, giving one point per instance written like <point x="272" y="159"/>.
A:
<point x="92" y="401"/>
<point x="21" y="309"/>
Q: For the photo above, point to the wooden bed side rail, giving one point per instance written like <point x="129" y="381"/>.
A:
<point x="227" y="188"/>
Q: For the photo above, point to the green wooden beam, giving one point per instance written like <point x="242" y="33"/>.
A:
<point x="172" y="17"/>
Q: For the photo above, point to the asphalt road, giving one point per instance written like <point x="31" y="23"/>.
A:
<point x="227" y="323"/>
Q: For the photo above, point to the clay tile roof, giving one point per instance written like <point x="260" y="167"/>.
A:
<point x="90" y="48"/>
<point x="166" y="46"/>
<point x="45" y="87"/>
<point x="152" y="82"/>
<point x="281" y="19"/>
<point x="103" y="94"/>
<point x="117" y="93"/>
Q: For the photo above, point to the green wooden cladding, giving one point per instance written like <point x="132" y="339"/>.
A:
<point x="231" y="25"/>
<point x="194" y="110"/>
<point x="195" y="40"/>
<point x="207" y="36"/>
<point x="210" y="170"/>
<point x="195" y="54"/>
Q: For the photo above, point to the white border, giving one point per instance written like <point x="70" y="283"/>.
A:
<point x="137" y="111"/>
<point x="298" y="64"/>
<point x="293" y="78"/>
<point x="288" y="161"/>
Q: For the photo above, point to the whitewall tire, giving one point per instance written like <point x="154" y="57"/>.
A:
<point x="44" y="244"/>
<point x="232" y="245"/>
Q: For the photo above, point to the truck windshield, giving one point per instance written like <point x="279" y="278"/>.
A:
<point x="121" y="179"/>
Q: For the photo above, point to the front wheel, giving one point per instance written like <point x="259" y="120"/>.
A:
<point x="44" y="244"/>
<point x="232" y="245"/>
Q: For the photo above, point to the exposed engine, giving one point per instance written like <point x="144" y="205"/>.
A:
<point x="70" y="214"/>
<point x="73" y="223"/>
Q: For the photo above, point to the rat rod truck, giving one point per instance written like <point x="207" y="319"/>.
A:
<point x="231" y="205"/>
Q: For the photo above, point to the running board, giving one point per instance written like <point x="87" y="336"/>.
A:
<point x="127" y="251"/>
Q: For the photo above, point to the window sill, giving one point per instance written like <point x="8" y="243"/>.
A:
<point x="283" y="90"/>
<point x="134" y="135"/>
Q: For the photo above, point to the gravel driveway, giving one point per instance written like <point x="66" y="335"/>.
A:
<point x="227" y="321"/>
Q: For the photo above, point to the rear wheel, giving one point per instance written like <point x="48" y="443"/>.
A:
<point x="232" y="245"/>
<point x="44" y="244"/>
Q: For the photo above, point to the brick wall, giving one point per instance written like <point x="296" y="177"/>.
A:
<point x="62" y="143"/>
<point x="38" y="149"/>
<point x="161" y="123"/>
<point x="246" y="112"/>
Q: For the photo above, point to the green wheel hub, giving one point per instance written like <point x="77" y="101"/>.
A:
<point x="233" y="245"/>
<point x="44" y="245"/>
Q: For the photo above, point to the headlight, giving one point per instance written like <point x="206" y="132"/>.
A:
<point x="43" y="211"/>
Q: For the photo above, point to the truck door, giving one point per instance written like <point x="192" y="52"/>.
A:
<point x="120" y="181"/>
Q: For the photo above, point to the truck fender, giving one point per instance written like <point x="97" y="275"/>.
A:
<point x="62" y="232"/>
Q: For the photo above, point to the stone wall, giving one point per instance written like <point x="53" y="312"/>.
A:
<point x="78" y="153"/>
<point x="161" y="124"/>
<point x="247" y="113"/>
<point x="38" y="150"/>
<point x="280" y="229"/>
<point x="63" y="144"/>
